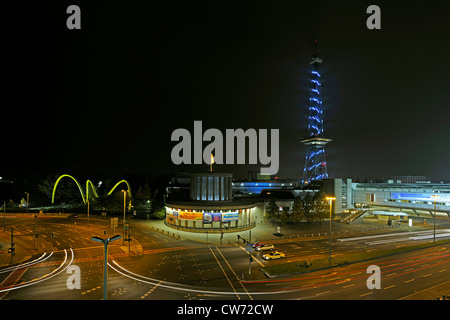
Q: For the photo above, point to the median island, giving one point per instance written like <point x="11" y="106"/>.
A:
<point x="310" y="265"/>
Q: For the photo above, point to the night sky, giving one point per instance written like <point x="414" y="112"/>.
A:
<point x="107" y="98"/>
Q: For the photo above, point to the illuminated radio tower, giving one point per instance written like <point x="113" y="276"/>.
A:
<point x="315" y="162"/>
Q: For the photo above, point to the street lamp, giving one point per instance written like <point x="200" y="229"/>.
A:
<point x="105" y="268"/>
<point x="28" y="199"/>
<point x="434" y="196"/>
<point x="330" y="199"/>
<point x="124" y="208"/>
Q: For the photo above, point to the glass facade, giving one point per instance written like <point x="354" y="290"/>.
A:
<point x="217" y="189"/>
<point x="211" y="187"/>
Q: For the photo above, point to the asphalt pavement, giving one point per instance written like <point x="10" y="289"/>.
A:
<point x="267" y="231"/>
<point x="170" y="264"/>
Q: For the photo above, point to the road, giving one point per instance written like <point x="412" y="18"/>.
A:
<point x="161" y="267"/>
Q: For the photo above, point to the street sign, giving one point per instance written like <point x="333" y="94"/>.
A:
<point x="114" y="222"/>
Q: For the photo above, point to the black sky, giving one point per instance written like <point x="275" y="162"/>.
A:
<point x="106" y="98"/>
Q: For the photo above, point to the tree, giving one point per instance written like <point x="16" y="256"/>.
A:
<point x="284" y="216"/>
<point x="321" y="206"/>
<point x="298" y="211"/>
<point x="144" y="194"/>
<point x="272" y="210"/>
<point x="308" y="207"/>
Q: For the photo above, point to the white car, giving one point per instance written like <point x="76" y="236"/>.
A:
<point x="265" y="247"/>
<point x="273" y="255"/>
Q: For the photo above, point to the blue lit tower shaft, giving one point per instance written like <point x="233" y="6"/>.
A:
<point x="315" y="162"/>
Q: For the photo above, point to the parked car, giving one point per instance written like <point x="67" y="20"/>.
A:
<point x="265" y="247"/>
<point x="273" y="255"/>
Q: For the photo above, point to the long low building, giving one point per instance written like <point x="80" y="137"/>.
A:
<point x="420" y="198"/>
<point x="415" y="197"/>
<point x="217" y="202"/>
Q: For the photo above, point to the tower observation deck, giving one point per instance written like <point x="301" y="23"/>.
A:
<point x="315" y="161"/>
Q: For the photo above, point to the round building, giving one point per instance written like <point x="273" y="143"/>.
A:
<point x="210" y="207"/>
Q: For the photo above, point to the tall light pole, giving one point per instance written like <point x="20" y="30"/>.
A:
<point x="434" y="196"/>
<point x="35" y="232"/>
<point x="124" y="208"/>
<point x="88" y="212"/>
<point x="28" y="199"/>
<point x="88" y="204"/>
<point x="105" y="264"/>
<point x="330" y="199"/>
<point x="4" y="215"/>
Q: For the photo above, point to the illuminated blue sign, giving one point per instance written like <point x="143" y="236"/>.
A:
<point x="419" y="196"/>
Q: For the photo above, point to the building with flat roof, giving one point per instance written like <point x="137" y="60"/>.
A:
<point x="209" y="197"/>
<point x="211" y="206"/>
<point x="415" y="198"/>
<point x="418" y="199"/>
<point x="410" y="179"/>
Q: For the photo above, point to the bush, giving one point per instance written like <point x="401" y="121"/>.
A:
<point x="159" y="214"/>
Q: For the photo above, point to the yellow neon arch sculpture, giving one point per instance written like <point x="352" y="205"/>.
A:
<point x="76" y="181"/>
<point x="88" y="182"/>
<point x="128" y="185"/>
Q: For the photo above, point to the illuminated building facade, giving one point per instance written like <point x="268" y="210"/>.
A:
<point x="391" y="198"/>
<point x="211" y="206"/>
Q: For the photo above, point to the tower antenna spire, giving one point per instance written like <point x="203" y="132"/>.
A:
<point x="315" y="55"/>
<point x="315" y="162"/>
